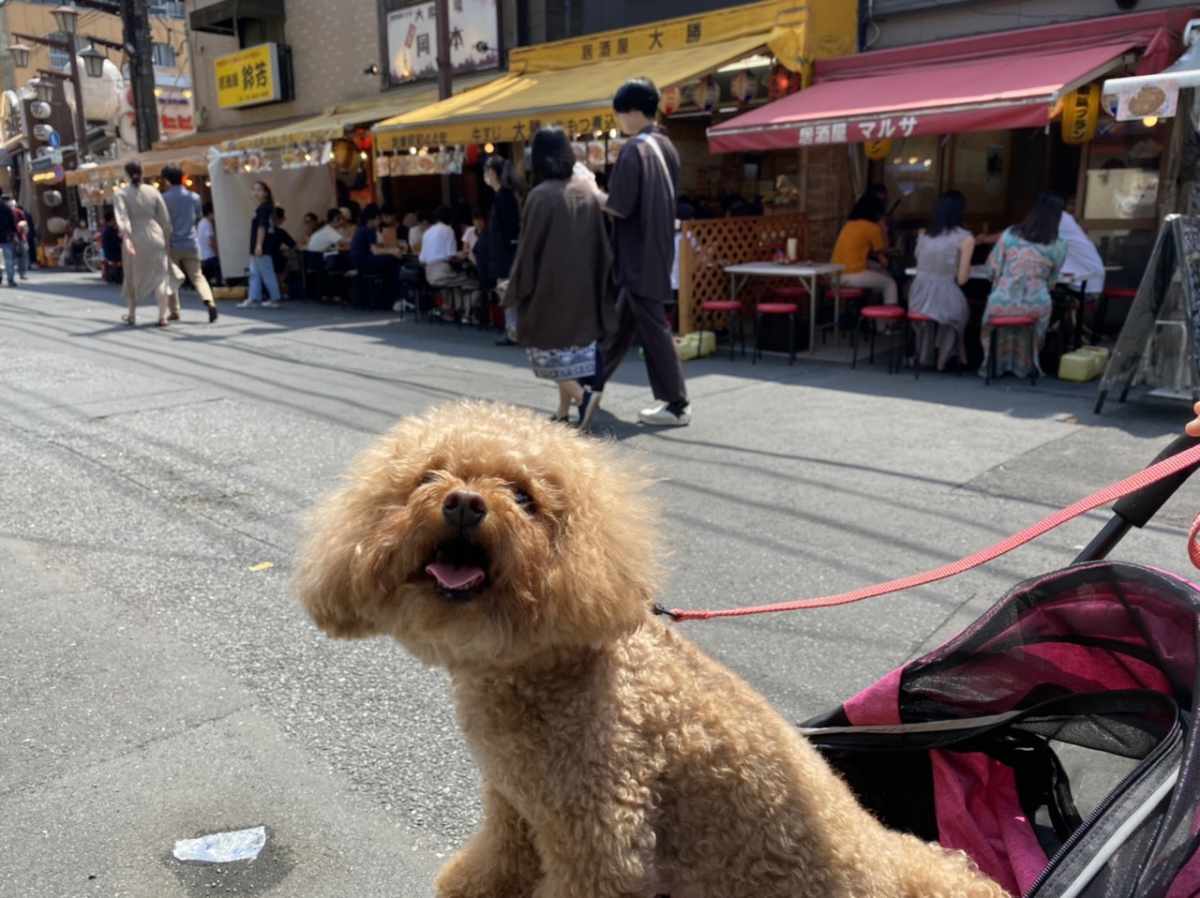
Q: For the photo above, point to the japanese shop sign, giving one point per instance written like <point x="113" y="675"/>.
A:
<point x="412" y="39"/>
<point x="249" y="77"/>
<point x="499" y="130"/>
<point x="858" y="132"/>
<point x="1081" y="113"/>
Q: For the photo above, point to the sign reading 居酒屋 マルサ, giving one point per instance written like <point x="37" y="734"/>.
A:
<point x="249" y="77"/>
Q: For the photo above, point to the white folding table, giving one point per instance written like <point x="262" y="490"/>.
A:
<point x="809" y="272"/>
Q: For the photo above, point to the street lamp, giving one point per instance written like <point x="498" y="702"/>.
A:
<point x="67" y="19"/>
<point x="44" y="88"/>
<point x="93" y="61"/>
<point x="20" y="55"/>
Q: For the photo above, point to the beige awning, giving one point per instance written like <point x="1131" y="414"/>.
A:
<point x="334" y="123"/>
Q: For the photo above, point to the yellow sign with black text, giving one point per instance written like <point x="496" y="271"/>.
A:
<point x="249" y="77"/>
<point x="1081" y="114"/>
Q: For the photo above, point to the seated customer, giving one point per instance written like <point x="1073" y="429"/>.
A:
<point x="861" y="242"/>
<point x="943" y="266"/>
<point x="1024" y="266"/>
<point x="439" y="252"/>
<point x="370" y="257"/>
<point x="328" y="238"/>
<point x="1083" y="259"/>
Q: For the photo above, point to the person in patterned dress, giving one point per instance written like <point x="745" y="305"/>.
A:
<point x="1024" y="266"/>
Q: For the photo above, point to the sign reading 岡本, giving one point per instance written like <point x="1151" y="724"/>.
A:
<point x="249" y="77"/>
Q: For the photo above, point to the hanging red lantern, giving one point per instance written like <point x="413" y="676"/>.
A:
<point x="362" y="138"/>
<point x="782" y="83"/>
<point x="472" y="153"/>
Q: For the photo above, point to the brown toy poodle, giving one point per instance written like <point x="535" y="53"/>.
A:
<point x="618" y="761"/>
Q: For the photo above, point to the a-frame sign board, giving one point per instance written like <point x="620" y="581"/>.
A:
<point x="1158" y="345"/>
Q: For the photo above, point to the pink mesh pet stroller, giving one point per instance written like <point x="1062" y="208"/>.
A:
<point x="1054" y="739"/>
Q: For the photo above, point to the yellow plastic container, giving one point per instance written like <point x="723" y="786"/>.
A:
<point x="1078" y="366"/>
<point x="1099" y="356"/>
<point x="696" y="345"/>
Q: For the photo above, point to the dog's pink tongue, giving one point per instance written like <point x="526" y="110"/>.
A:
<point x="457" y="578"/>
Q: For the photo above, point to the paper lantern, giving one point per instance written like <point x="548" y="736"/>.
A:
<point x="1081" y="114"/>
<point x="744" y="87"/>
<point x="706" y="93"/>
<point x="362" y="139"/>
<point x="670" y="100"/>
<point x="877" y="150"/>
<point x="472" y="153"/>
<point x="782" y="83"/>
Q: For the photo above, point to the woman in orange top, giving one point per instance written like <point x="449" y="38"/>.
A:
<point x="861" y="240"/>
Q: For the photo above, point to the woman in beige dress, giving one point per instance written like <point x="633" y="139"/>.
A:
<point x="146" y="228"/>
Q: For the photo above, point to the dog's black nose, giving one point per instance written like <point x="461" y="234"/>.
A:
<point x="464" y="510"/>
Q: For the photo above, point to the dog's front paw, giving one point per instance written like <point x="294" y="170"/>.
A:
<point x="465" y="877"/>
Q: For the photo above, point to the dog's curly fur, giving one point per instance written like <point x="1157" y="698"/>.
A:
<point x="618" y="761"/>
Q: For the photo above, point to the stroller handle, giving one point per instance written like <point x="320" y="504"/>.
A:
<point x="1137" y="509"/>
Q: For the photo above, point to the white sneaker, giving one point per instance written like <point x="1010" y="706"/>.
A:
<point x="272" y="304"/>
<point x="661" y="416"/>
<point x="248" y="304"/>
<point x="403" y="306"/>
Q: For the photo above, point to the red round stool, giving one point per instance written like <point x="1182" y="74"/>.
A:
<point x="1109" y="294"/>
<point x="840" y="294"/>
<point x="777" y="308"/>
<point x="997" y="322"/>
<point x="874" y="314"/>
<point x="795" y="294"/>
<point x="733" y="309"/>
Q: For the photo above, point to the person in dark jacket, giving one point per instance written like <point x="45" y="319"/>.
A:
<point x="8" y="238"/>
<point x="504" y="227"/>
<point x="559" y="280"/>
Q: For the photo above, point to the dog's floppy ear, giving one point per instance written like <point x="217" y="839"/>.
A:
<point x="612" y="569"/>
<point x="330" y="579"/>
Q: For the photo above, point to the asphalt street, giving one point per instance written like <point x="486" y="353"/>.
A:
<point x="157" y="681"/>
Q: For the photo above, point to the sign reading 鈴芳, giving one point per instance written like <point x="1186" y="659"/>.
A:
<point x="249" y="77"/>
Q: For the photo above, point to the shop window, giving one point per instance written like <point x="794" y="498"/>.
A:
<point x="1123" y="173"/>
<point x="980" y="170"/>
<point x="911" y="174"/>
<point x="163" y="55"/>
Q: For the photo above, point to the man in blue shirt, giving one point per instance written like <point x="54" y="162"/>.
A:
<point x="186" y="210"/>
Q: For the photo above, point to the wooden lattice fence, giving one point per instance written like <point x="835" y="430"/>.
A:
<point x="707" y="246"/>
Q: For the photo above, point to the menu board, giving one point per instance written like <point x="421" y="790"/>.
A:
<point x="1158" y="344"/>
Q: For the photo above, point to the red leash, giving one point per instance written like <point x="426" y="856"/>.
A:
<point x="1110" y="493"/>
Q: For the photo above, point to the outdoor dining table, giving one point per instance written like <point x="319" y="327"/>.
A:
<point x="808" y="272"/>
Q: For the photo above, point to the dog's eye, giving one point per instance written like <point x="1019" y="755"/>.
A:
<point x="523" y="499"/>
<point x="429" y="477"/>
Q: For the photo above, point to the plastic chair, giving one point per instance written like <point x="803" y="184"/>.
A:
<point x="875" y="314"/>
<point x="1015" y="321"/>
<point x="733" y="309"/>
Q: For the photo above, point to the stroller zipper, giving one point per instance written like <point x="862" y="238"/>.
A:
<point x="1172" y="739"/>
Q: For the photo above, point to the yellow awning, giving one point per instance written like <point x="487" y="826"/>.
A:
<point x="571" y="83"/>
<point x="334" y="122"/>
<point x="578" y="99"/>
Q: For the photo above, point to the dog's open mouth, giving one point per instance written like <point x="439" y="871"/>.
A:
<point x="459" y="567"/>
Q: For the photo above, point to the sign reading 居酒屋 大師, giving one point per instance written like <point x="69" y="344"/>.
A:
<point x="249" y="77"/>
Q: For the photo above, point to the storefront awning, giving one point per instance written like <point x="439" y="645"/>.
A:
<point x="578" y="99"/>
<point x="1012" y="80"/>
<point x="190" y="153"/>
<point x="333" y="123"/>
<point x="571" y="83"/>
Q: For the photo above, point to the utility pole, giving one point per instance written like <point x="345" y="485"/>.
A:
<point x="136" y="20"/>
<point x="445" y="71"/>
